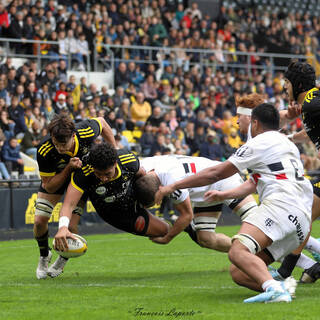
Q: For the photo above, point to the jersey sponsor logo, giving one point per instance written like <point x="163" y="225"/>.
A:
<point x="101" y="190"/>
<point x="243" y="151"/>
<point x="295" y="221"/>
<point x="110" y="199"/>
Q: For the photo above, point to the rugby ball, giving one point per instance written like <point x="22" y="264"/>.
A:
<point x="76" y="247"/>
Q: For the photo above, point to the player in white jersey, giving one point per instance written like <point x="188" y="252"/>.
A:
<point x="165" y="170"/>
<point x="245" y="104"/>
<point x="281" y="222"/>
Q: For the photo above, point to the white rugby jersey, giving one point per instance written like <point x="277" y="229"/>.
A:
<point x="274" y="164"/>
<point x="173" y="168"/>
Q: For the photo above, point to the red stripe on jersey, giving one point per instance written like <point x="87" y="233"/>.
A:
<point x="281" y="176"/>
<point x="193" y="167"/>
<point x="255" y="177"/>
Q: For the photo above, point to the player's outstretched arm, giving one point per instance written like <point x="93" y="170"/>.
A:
<point x="106" y="132"/>
<point x="241" y="191"/>
<point x="203" y="178"/>
<point x="70" y="202"/>
<point x="185" y="217"/>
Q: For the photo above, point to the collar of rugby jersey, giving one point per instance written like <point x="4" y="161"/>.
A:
<point x="76" y="147"/>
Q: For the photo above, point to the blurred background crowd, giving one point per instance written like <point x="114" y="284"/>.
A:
<point x="178" y="105"/>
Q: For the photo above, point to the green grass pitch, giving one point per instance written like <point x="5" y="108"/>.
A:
<point x="128" y="277"/>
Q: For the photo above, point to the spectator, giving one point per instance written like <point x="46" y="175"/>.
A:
<point x="6" y="125"/>
<point x="158" y="146"/>
<point x="121" y="76"/>
<point x="11" y="156"/>
<point x="31" y="140"/>
<point x="157" y="32"/>
<point x="155" y="118"/>
<point x="211" y="148"/>
<point x="61" y="103"/>
<point x="16" y="113"/>
<point x="149" y="88"/>
<point x="146" y="141"/>
<point x="140" y="110"/>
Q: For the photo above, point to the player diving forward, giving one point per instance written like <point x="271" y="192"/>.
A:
<point x="59" y="154"/>
<point x="165" y="170"/>
<point x="108" y="181"/>
<point x="277" y="175"/>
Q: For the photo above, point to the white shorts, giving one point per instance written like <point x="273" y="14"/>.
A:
<point x="286" y="225"/>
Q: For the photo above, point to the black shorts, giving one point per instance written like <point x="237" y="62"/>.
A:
<point x="135" y="221"/>
<point x="62" y="190"/>
<point x="217" y="207"/>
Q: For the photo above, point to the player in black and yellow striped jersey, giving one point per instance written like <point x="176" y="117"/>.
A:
<point x="59" y="154"/>
<point x="108" y="181"/>
<point x="304" y="98"/>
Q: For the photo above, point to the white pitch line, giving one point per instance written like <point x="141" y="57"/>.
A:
<point x="105" y="285"/>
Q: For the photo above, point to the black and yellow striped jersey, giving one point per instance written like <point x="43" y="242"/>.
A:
<point x="116" y="194"/>
<point x="311" y="115"/>
<point x="50" y="161"/>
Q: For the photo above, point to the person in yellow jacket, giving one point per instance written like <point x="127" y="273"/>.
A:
<point x="140" y="110"/>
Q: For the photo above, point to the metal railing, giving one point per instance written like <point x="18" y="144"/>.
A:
<point x="202" y="57"/>
<point x="160" y="56"/>
<point x="8" y="50"/>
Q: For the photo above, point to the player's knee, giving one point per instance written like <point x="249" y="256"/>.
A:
<point x="207" y="239"/>
<point x="43" y="209"/>
<point x="235" y="274"/>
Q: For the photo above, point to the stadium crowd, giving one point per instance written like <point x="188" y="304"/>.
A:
<point x="173" y="106"/>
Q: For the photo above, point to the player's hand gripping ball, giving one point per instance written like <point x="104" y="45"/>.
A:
<point x="76" y="247"/>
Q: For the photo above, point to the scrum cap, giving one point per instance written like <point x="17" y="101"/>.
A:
<point x="302" y="77"/>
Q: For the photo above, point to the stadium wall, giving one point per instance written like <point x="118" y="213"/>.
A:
<point x="18" y="207"/>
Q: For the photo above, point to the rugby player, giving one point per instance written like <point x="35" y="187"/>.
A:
<point x="164" y="170"/>
<point x="270" y="232"/>
<point x="58" y="155"/>
<point x="304" y="98"/>
<point x="108" y="181"/>
<point x="245" y="104"/>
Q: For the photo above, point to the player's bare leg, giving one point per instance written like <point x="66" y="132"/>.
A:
<point x="157" y="227"/>
<point x="205" y="224"/>
<point x="44" y="206"/>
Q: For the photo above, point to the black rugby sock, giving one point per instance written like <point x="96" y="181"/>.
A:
<point x="192" y="233"/>
<point x="288" y="264"/>
<point x="43" y="244"/>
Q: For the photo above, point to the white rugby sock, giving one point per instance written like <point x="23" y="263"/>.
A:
<point x="305" y="262"/>
<point x="313" y="245"/>
<point x="272" y="283"/>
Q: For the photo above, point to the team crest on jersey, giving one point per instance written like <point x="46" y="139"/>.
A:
<point x="101" y="190"/>
<point x="269" y="222"/>
<point x="243" y="151"/>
